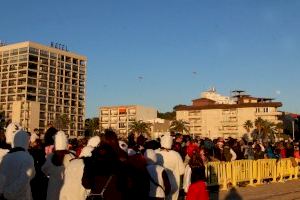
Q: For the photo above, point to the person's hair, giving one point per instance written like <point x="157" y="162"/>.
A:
<point x="58" y="157"/>
<point x="198" y="174"/>
<point x="131" y="142"/>
<point x="110" y="138"/>
<point x="196" y="160"/>
<point x="104" y="152"/>
<point x="49" y="136"/>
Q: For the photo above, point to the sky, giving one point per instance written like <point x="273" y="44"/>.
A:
<point x="161" y="53"/>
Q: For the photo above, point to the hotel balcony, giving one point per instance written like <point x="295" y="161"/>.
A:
<point x="104" y="112"/>
<point x="122" y="119"/>
<point x="104" y="119"/>
<point x="268" y="113"/>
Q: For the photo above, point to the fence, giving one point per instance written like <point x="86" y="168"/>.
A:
<point x="251" y="172"/>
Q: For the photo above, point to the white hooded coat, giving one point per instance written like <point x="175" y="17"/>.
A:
<point x="72" y="188"/>
<point x="156" y="173"/>
<point x="17" y="170"/>
<point x="56" y="173"/>
<point x="172" y="162"/>
<point x="10" y="132"/>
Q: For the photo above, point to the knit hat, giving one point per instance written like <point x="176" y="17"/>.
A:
<point x="150" y="156"/>
<point x="60" y="141"/>
<point x="86" y="152"/>
<point x="11" y="130"/>
<point x="94" y="141"/>
<point x="21" y="139"/>
<point x="166" y="141"/>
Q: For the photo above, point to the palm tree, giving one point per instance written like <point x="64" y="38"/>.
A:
<point x="179" y="126"/>
<point x="139" y="127"/>
<point x="248" y="125"/>
<point x="259" y="123"/>
<point x="268" y="129"/>
<point x="279" y="128"/>
<point x="91" y="126"/>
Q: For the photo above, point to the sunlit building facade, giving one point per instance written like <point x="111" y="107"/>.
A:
<point x="39" y="83"/>
<point x="119" y="118"/>
<point x="213" y="118"/>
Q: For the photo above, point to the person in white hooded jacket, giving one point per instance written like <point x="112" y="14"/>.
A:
<point x="55" y="165"/>
<point x="17" y="169"/>
<point x="159" y="182"/>
<point x="172" y="162"/>
<point x="10" y="132"/>
<point x="72" y="188"/>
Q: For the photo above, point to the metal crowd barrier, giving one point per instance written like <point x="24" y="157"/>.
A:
<point x="251" y="172"/>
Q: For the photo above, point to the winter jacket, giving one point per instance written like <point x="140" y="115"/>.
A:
<point x="159" y="182"/>
<point x="172" y="162"/>
<point x="56" y="175"/>
<point x="72" y="188"/>
<point x="3" y="152"/>
<point x="187" y="178"/>
<point x="17" y="169"/>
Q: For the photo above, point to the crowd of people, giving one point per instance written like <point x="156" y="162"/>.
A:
<point x="104" y="167"/>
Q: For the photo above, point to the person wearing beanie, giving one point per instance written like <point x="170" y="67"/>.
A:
<point x="172" y="162"/>
<point x="55" y="165"/>
<point x="159" y="183"/>
<point x="17" y="169"/>
<point x="72" y="188"/>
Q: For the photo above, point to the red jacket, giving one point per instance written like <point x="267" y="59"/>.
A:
<point x="197" y="191"/>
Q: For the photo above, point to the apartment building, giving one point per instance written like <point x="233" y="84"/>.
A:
<point x="39" y="84"/>
<point x="213" y="115"/>
<point x="159" y="127"/>
<point x="120" y="117"/>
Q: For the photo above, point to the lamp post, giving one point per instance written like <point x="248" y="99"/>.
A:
<point x="293" y="129"/>
<point x="193" y="130"/>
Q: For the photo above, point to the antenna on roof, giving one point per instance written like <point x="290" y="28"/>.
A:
<point x="2" y="43"/>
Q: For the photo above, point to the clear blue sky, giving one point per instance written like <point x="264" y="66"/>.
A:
<point x="252" y="45"/>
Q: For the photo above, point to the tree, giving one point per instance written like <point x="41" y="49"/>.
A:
<point x="91" y="126"/>
<point x="279" y="128"/>
<point x="140" y="127"/>
<point x="167" y="115"/>
<point x="259" y="123"/>
<point x="179" y="126"/>
<point x="268" y="130"/>
<point x="248" y="125"/>
<point x="62" y="122"/>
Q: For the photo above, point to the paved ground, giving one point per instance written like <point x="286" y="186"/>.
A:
<point x="289" y="190"/>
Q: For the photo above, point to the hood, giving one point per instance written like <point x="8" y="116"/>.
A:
<point x="166" y="141"/>
<point x="123" y="146"/>
<point x="94" y="141"/>
<point x="21" y="139"/>
<point x="150" y="156"/>
<point x="61" y="141"/>
<point x="11" y="130"/>
<point x="86" y="152"/>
